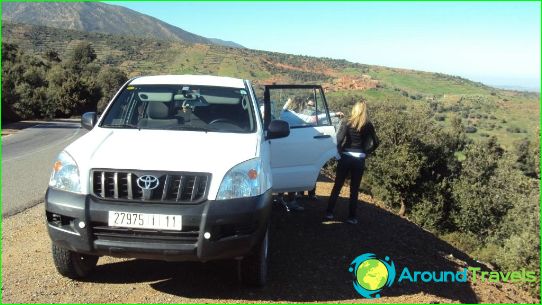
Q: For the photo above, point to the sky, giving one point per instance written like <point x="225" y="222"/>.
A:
<point x="497" y="43"/>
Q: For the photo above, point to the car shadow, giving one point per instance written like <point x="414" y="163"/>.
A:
<point x="57" y="123"/>
<point x="309" y="260"/>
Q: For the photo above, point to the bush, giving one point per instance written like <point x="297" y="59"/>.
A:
<point x="513" y="129"/>
<point x="466" y="242"/>
<point x="23" y="84"/>
<point x="470" y="129"/>
<point x="494" y="199"/>
<point x="34" y="88"/>
<point x="109" y="80"/>
<point x="429" y="214"/>
<point x="412" y="164"/>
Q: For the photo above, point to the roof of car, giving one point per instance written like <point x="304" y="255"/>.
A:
<point x="201" y="80"/>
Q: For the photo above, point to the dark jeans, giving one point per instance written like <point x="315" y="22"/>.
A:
<point x="352" y="166"/>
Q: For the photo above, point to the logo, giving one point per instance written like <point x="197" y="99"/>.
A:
<point x="147" y="182"/>
<point x="371" y="274"/>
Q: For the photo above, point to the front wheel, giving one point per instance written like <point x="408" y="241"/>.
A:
<point x="254" y="266"/>
<point x="72" y="264"/>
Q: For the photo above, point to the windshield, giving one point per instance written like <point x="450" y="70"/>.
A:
<point x="182" y="107"/>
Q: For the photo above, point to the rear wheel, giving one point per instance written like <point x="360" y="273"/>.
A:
<point x="72" y="264"/>
<point x="254" y="266"/>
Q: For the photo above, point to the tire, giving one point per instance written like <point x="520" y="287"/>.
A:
<point x="72" y="264"/>
<point x="254" y="266"/>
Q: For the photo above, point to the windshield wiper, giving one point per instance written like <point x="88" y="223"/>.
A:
<point x="190" y="127"/>
<point x="120" y="125"/>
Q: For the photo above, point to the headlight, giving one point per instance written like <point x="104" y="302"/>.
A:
<point x="246" y="179"/>
<point x="65" y="174"/>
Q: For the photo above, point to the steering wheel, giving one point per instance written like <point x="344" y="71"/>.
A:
<point x="222" y="120"/>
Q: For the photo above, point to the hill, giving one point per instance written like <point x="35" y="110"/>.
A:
<point x="508" y="115"/>
<point x="99" y="17"/>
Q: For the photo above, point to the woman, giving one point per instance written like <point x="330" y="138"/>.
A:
<point x="295" y="112"/>
<point x="354" y="139"/>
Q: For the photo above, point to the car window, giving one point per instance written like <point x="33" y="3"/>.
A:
<point x="182" y="107"/>
<point x="299" y="107"/>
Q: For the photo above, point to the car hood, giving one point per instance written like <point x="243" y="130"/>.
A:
<point x="160" y="150"/>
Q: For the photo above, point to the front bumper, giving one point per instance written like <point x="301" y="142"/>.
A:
<point x="235" y="226"/>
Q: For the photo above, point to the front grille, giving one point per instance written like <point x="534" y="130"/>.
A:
<point x="189" y="235"/>
<point x="172" y="187"/>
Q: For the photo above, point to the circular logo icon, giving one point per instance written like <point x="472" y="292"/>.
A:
<point x="147" y="182"/>
<point x="371" y="275"/>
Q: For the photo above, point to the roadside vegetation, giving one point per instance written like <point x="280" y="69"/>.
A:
<point x="458" y="158"/>
<point x="48" y="87"/>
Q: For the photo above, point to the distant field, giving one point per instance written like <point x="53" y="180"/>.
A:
<point x="508" y="115"/>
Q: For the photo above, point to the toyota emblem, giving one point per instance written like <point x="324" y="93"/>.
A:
<point x="148" y="182"/>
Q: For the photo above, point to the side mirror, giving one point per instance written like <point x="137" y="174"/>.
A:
<point x="278" y="129"/>
<point x="88" y="120"/>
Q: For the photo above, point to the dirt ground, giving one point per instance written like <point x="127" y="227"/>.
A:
<point x="309" y="261"/>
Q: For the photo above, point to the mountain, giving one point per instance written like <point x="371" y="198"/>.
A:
<point x="225" y="43"/>
<point x="100" y="17"/>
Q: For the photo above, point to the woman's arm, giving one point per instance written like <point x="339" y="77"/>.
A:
<point x="341" y="134"/>
<point x="372" y="133"/>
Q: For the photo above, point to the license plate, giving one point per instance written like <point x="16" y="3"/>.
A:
<point x="145" y="221"/>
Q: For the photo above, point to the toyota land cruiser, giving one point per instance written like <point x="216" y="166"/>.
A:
<point x="183" y="168"/>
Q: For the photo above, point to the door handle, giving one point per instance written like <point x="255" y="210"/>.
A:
<point x="322" y="136"/>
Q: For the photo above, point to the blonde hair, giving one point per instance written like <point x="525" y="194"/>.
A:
<point x="296" y="104"/>
<point x="359" y="117"/>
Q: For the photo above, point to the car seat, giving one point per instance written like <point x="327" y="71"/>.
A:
<point x="158" y="115"/>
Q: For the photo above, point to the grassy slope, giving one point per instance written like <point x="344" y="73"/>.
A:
<point x="492" y="111"/>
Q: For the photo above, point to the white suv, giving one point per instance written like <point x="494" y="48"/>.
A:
<point x="183" y="168"/>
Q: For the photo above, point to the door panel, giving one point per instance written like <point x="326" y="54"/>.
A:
<point x="296" y="160"/>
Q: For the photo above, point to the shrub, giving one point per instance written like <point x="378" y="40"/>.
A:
<point x="466" y="242"/>
<point x="109" y="81"/>
<point x="413" y="162"/>
<point x="429" y="213"/>
<point x="487" y="188"/>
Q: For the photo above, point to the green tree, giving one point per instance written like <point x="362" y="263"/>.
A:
<point x="413" y="166"/>
<point x="23" y="84"/>
<point x="481" y="201"/>
<point x="518" y="234"/>
<point x="72" y="95"/>
<point x="10" y="53"/>
<point x="73" y="85"/>
<point x="528" y="157"/>
<point x="82" y="55"/>
<point x="52" y="56"/>
<point x="109" y="80"/>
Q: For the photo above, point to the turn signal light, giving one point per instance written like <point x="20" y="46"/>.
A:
<point x="252" y="174"/>
<point x="57" y="166"/>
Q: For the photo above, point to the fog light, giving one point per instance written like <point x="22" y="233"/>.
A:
<point x="207" y="235"/>
<point x="81" y="224"/>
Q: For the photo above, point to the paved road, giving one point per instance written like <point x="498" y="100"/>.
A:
<point x="27" y="158"/>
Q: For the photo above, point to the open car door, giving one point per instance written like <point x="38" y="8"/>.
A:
<point x="296" y="160"/>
